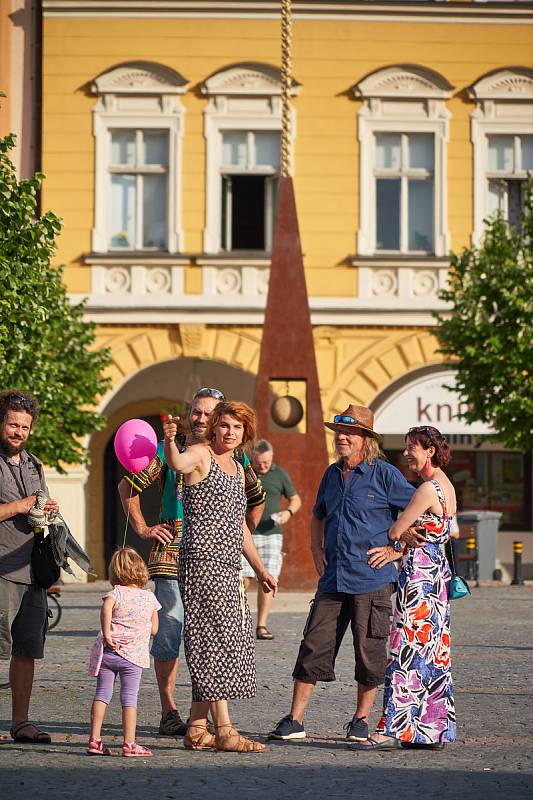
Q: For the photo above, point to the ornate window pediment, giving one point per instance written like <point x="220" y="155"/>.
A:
<point x="513" y="83"/>
<point x="138" y="127"/>
<point x="248" y="78"/>
<point x="502" y="136"/>
<point x="139" y="77"/>
<point x="405" y="81"/>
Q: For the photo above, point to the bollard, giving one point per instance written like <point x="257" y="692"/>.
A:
<point x="471" y="571"/>
<point x="518" y="549"/>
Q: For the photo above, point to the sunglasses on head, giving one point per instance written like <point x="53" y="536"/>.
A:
<point x="207" y="392"/>
<point x="19" y="399"/>
<point x="347" y="420"/>
<point x="428" y="431"/>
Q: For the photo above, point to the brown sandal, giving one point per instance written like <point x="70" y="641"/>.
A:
<point x="233" y="742"/>
<point x="203" y="740"/>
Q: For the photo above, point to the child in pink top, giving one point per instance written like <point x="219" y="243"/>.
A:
<point x="128" y="618"/>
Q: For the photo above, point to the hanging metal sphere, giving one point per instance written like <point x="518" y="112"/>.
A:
<point x="286" y="411"/>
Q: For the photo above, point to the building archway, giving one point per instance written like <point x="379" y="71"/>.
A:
<point x="149" y="391"/>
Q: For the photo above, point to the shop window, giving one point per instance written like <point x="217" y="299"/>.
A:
<point x="404" y="189"/>
<point x="403" y="135"/>
<point x="137" y="125"/>
<point x="487" y="481"/>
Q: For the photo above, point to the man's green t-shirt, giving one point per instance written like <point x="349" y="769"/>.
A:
<point x="276" y="483"/>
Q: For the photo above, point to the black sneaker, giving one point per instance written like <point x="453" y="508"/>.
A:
<point x="172" y="724"/>
<point x="287" y="728"/>
<point x="356" y="730"/>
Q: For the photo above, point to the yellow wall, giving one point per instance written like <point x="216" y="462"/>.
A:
<point x="329" y="57"/>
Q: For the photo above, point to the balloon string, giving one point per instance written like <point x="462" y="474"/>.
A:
<point x="127" y="518"/>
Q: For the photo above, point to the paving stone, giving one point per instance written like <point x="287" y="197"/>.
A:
<point x="492" y="653"/>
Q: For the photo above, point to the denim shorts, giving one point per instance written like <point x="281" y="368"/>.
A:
<point x="166" y="642"/>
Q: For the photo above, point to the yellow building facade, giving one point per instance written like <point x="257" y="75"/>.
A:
<point x="160" y="142"/>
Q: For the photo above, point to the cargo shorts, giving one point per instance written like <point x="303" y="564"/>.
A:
<point x="23" y="619"/>
<point x="369" y="616"/>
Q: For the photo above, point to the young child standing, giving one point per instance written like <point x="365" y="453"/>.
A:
<point x="128" y="618"/>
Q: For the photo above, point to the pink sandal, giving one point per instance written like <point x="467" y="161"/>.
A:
<point x="131" y="749"/>
<point x="97" y="748"/>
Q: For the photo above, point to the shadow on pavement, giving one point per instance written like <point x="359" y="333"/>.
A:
<point x="213" y="774"/>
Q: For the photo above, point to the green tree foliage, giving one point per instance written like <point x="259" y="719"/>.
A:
<point x="489" y="333"/>
<point x="45" y="346"/>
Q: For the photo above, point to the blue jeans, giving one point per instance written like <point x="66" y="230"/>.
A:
<point x="166" y="642"/>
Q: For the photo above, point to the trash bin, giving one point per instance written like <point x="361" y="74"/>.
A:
<point x="484" y="525"/>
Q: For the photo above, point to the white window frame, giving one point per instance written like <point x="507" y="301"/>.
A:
<point x="245" y="98"/>
<point x="137" y="96"/>
<point x="251" y="168"/>
<point x="404" y="174"/>
<point x="401" y="100"/>
<point x="504" y="106"/>
<point x="139" y="171"/>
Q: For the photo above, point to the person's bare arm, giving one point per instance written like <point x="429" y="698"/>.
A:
<point x="253" y="516"/>
<point x="295" y="505"/>
<point x="24" y="506"/>
<point x="131" y="502"/>
<point x="424" y="497"/>
<point x="155" y="623"/>
<point x="187" y="461"/>
<point x="317" y="544"/>
<point x="105" y="620"/>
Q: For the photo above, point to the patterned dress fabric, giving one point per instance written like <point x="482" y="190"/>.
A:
<point x="218" y="638"/>
<point x="418" y="703"/>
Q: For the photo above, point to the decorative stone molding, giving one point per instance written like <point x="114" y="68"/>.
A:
<point x="407" y="81"/>
<point x="513" y="83"/>
<point x="248" y="78"/>
<point x="402" y="290"/>
<point x="404" y="286"/>
<point x="191" y="339"/>
<point x="139" y="77"/>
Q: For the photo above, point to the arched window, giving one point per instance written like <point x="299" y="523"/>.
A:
<point x="242" y="131"/>
<point x="403" y="133"/>
<point x="137" y="125"/>
<point x="502" y="137"/>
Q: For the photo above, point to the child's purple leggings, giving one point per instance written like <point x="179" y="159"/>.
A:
<point x="130" y="679"/>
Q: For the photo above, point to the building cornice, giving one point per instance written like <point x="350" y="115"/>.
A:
<point x="453" y="12"/>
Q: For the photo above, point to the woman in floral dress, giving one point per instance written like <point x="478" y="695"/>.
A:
<point x="418" y="703"/>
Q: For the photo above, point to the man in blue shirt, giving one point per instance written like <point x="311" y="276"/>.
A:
<point x="357" y="502"/>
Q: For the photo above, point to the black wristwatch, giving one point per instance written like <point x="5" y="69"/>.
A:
<point x="397" y="546"/>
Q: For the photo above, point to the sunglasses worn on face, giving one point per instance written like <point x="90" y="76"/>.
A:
<point x="207" y="392"/>
<point x="347" y="420"/>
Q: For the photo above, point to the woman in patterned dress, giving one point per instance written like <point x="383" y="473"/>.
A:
<point x="418" y="703"/>
<point x="218" y="637"/>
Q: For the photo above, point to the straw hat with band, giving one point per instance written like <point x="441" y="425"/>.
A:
<point x="357" y="418"/>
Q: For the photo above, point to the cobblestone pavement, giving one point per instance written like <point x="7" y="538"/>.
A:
<point x="493" y="758"/>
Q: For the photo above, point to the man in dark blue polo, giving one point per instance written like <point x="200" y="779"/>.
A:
<point x="358" y="500"/>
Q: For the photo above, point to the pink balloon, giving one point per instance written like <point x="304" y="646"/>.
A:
<point x="135" y="444"/>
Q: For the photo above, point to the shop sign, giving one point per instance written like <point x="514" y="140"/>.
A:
<point x="426" y="401"/>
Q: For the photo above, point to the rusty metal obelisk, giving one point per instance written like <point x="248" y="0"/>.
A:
<point x="287" y="353"/>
